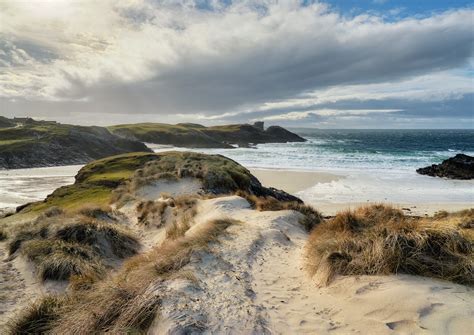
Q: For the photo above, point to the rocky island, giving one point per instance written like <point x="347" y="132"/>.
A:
<point x="199" y="136"/>
<point x="458" y="167"/>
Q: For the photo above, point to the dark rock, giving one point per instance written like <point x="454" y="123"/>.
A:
<point x="458" y="167"/>
<point x="21" y="207"/>
<point x="283" y="134"/>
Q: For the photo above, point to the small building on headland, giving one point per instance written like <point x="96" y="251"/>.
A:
<point x="259" y="125"/>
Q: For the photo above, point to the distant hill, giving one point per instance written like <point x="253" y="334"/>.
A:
<point x="26" y="143"/>
<point x="4" y="122"/>
<point x="196" y="135"/>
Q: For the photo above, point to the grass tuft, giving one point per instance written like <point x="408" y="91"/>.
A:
<point x="25" y="235"/>
<point x="379" y="239"/>
<point x="96" y="212"/>
<point x="106" y="239"/>
<point x="311" y="216"/>
<point x="58" y="260"/>
<point x="3" y="235"/>
<point x="130" y="300"/>
<point x="37" y="318"/>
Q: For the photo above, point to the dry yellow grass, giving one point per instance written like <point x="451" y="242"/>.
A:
<point x="379" y="239"/>
<point x="128" y="301"/>
<point x="311" y="216"/>
<point x="62" y="245"/>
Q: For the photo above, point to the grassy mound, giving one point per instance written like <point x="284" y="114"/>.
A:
<point x="106" y="239"/>
<point x="63" y="245"/>
<point x="218" y="174"/>
<point x="58" y="260"/>
<point x="381" y="240"/>
<point x="116" y="178"/>
<point x="129" y="301"/>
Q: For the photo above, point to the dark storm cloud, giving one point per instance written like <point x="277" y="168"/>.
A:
<point x="162" y="58"/>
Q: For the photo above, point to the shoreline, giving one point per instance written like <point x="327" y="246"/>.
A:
<point x="327" y="191"/>
<point x="300" y="182"/>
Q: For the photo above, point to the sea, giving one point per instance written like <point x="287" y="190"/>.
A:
<point x="372" y="165"/>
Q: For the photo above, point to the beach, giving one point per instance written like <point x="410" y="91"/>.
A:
<point x="329" y="192"/>
<point x="248" y="269"/>
<point x="342" y="190"/>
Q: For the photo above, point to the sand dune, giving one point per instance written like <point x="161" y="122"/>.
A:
<point x="254" y="282"/>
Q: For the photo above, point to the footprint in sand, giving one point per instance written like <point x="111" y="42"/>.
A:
<point x="404" y="326"/>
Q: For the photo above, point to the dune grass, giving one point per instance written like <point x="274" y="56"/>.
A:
<point x="311" y="217"/>
<point x="36" y="318"/>
<point x="82" y="243"/>
<point x="3" y="235"/>
<point x="106" y="239"/>
<point x="58" y="260"/>
<point x="25" y="234"/>
<point x="379" y="239"/>
<point x="151" y="213"/>
<point x="129" y="301"/>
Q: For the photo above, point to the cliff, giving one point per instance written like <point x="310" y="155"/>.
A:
<point x="25" y="143"/>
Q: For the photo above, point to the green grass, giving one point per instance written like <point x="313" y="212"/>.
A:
<point x="219" y="174"/>
<point x="94" y="183"/>
<point x="116" y="168"/>
<point x="141" y="128"/>
<point x="10" y="142"/>
<point x="72" y="197"/>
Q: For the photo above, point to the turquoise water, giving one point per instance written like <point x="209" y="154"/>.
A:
<point x="373" y="165"/>
<point x="403" y="150"/>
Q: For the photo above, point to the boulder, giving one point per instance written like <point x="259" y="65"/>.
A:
<point x="458" y="167"/>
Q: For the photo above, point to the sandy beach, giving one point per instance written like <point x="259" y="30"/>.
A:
<point x="327" y="191"/>
<point x="293" y="181"/>
<point x="305" y="183"/>
<point x="253" y="277"/>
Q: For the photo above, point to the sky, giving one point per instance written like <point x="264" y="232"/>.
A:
<point x="322" y="64"/>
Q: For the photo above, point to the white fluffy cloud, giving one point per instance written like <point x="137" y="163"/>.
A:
<point x="222" y="61"/>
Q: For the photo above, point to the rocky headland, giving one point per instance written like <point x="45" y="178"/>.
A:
<point x="26" y="143"/>
<point x="196" y="135"/>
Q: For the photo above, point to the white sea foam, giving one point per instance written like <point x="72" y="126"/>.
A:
<point x="393" y="187"/>
<point x="25" y="185"/>
<point x="369" y="175"/>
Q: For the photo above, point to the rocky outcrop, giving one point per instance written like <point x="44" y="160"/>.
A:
<point x="38" y="143"/>
<point x="458" y="167"/>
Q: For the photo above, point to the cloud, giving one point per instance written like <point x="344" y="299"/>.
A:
<point x="221" y="60"/>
